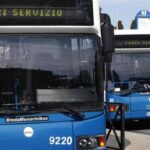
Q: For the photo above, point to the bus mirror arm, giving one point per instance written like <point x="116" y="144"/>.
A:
<point x="108" y="38"/>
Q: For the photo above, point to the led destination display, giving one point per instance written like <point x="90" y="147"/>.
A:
<point x="46" y="12"/>
<point x="31" y="12"/>
<point x="132" y="41"/>
<point x="44" y="16"/>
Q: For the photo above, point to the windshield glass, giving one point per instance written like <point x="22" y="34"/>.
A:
<point x="130" y="68"/>
<point x="133" y="65"/>
<point x="48" y="69"/>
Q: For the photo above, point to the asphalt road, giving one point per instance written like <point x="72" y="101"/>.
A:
<point x="136" y="131"/>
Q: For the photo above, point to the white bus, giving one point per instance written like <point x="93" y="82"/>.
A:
<point x="51" y="74"/>
<point x="130" y="73"/>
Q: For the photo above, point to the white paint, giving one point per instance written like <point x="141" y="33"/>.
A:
<point x="28" y="132"/>
<point x="111" y="100"/>
<point x="60" y="140"/>
<point x="117" y="89"/>
<point x="148" y="114"/>
<point x="143" y="23"/>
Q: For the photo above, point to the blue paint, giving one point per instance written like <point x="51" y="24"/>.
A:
<point x="12" y="135"/>
<point x="140" y="14"/>
<point x="138" y="104"/>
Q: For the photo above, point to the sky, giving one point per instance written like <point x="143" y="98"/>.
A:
<point x="126" y="10"/>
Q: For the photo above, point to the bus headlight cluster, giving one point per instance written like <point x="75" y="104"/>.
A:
<point x="91" y="143"/>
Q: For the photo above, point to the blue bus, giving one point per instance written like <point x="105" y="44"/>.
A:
<point x="51" y="74"/>
<point x="129" y="74"/>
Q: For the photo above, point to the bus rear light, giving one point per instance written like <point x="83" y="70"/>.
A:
<point x="113" y="108"/>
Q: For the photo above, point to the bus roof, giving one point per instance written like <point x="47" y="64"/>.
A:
<point x="49" y="29"/>
<point x="132" y="32"/>
<point x="55" y="28"/>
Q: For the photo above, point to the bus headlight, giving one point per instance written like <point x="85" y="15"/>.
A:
<point x="83" y="143"/>
<point x="90" y="143"/>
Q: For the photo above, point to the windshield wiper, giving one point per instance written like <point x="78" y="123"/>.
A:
<point x="35" y="108"/>
<point x="137" y="88"/>
<point x="73" y="113"/>
<point x="65" y="110"/>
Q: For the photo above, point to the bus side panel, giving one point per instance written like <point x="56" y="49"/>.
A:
<point x="140" y="103"/>
<point x="138" y="106"/>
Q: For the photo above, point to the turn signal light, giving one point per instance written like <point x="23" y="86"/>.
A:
<point x="102" y="141"/>
<point x="112" y="108"/>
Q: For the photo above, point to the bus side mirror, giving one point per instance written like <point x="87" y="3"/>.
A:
<point x="108" y="38"/>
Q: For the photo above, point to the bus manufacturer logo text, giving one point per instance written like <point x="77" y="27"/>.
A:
<point x="26" y="119"/>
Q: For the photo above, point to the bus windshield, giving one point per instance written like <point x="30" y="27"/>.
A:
<point x="126" y="66"/>
<point x="48" y="69"/>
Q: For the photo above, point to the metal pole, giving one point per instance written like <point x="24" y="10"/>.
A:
<point x="105" y="81"/>
<point x="122" y="127"/>
<point x="116" y="8"/>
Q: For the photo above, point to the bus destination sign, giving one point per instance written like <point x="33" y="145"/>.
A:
<point x="45" y="16"/>
<point x="130" y="41"/>
<point x="31" y="12"/>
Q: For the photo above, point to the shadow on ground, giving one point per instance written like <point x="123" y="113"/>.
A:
<point x="113" y="143"/>
<point x="137" y="125"/>
<point x="133" y="125"/>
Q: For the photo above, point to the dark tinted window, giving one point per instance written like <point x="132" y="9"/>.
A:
<point x="131" y="65"/>
<point x="47" y="68"/>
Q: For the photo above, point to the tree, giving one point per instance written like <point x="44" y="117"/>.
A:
<point x="133" y="24"/>
<point x="120" y="25"/>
